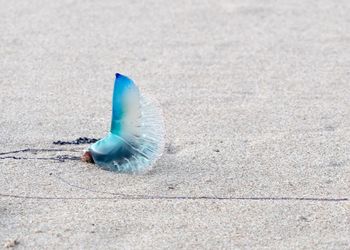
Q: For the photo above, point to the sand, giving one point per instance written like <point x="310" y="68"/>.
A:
<point x="255" y="96"/>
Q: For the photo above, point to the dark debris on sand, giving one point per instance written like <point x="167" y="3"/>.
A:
<point x="78" y="141"/>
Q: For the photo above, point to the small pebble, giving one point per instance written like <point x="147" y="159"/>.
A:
<point x="11" y="243"/>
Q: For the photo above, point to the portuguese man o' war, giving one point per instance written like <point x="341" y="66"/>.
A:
<point x="136" y="137"/>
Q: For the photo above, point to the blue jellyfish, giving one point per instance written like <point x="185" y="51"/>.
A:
<point x="136" y="137"/>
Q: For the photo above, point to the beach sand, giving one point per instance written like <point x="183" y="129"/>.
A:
<point x="255" y="97"/>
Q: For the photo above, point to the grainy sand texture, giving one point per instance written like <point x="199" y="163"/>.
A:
<point x="255" y="96"/>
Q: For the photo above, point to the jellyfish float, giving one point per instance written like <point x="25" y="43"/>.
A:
<point x="136" y="137"/>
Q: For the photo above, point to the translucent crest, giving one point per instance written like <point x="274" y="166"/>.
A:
<point x="136" y="138"/>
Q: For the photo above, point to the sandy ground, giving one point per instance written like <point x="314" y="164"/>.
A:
<point x="255" y="96"/>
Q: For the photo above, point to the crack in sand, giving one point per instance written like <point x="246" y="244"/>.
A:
<point x="148" y="197"/>
<point x="36" y="150"/>
<point x="122" y="196"/>
<point x="60" y="158"/>
<point x="157" y="197"/>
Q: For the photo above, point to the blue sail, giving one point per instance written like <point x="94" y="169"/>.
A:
<point x="136" y="137"/>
